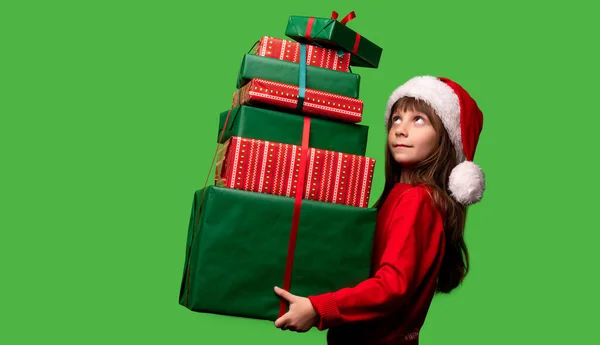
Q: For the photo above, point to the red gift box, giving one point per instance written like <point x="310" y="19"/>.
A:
<point x="272" y="168"/>
<point x="290" y="51"/>
<point x="319" y="103"/>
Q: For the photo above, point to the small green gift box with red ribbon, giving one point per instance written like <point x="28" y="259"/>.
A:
<point x="331" y="33"/>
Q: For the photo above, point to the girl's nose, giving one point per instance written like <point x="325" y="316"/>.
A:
<point x="401" y="130"/>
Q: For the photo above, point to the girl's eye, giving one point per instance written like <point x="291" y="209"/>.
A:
<point x="419" y="120"/>
<point x="396" y="119"/>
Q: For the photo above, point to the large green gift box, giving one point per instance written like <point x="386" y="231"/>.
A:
<point x="240" y="245"/>
<point x="280" y="127"/>
<point x="331" y="33"/>
<point x="287" y="72"/>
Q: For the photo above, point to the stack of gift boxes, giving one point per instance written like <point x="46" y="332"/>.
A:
<point x="289" y="206"/>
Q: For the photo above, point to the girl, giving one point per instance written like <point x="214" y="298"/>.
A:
<point x="433" y="127"/>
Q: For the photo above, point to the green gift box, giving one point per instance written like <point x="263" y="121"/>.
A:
<point x="265" y="124"/>
<point x="330" y="33"/>
<point x="237" y="247"/>
<point x="280" y="71"/>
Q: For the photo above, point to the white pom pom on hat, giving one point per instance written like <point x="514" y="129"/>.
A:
<point x="463" y="121"/>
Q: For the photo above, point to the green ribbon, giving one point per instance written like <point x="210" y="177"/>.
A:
<point x="301" y="78"/>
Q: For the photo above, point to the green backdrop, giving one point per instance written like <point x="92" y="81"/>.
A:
<point x="108" y="115"/>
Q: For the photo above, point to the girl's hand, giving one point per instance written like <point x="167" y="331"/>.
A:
<point x="301" y="317"/>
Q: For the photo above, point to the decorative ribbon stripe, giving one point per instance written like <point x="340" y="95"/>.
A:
<point x="287" y="277"/>
<point x="356" y="44"/>
<point x="311" y="21"/>
<point x="300" y="185"/>
<point x="302" y="78"/>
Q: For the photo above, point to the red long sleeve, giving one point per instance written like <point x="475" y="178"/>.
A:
<point x="410" y="237"/>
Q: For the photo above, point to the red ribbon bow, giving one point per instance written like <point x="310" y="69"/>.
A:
<point x="334" y="16"/>
<point x="346" y="19"/>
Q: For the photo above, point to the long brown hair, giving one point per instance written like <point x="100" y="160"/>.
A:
<point x="434" y="172"/>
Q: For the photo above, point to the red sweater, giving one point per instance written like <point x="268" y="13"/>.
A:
<point x="390" y="307"/>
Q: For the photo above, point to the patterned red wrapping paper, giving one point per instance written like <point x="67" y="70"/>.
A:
<point x="290" y="51"/>
<point x="272" y="168"/>
<point x="285" y="96"/>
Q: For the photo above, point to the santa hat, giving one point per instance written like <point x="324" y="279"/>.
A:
<point x="463" y="121"/>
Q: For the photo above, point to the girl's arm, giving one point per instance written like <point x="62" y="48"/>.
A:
<point x="415" y="240"/>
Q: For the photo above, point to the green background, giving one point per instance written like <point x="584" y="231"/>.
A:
<point x="108" y="115"/>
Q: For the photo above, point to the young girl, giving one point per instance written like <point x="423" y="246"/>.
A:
<point x="433" y="127"/>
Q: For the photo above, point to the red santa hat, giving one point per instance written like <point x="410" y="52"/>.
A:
<point x="463" y="121"/>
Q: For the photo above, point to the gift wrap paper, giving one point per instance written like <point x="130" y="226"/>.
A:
<point x="239" y="250"/>
<point x="265" y="124"/>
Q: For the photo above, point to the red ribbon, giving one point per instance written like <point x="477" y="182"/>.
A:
<point x="287" y="276"/>
<point x="334" y="16"/>
<point x="346" y="19"/>
<point x="356" y="44"/>
<point x="309" y="26"/>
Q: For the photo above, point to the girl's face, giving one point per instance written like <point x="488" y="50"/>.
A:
<point x="412" y="137"/>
